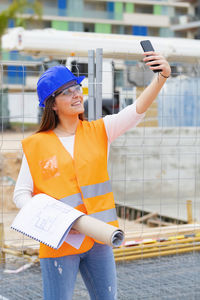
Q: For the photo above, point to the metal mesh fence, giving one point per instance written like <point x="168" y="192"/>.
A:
<point x="154" y="169"/>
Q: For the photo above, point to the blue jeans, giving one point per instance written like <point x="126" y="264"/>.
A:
<point x="97" y="268"/>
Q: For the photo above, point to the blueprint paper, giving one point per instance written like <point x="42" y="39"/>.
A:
<point x="46" y="220"/>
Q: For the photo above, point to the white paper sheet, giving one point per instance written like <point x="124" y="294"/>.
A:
<point x="46" y="220"/>
<point x="75" y="240"/>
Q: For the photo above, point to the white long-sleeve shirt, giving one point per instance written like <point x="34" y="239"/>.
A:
<point x="115" y="125"/>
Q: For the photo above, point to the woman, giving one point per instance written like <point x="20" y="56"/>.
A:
<point x="67" y="159"/>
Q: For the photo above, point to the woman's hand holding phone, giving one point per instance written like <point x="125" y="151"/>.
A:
<point x="155" y="61"/>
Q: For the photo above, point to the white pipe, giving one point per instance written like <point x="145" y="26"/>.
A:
<point x="64" y="43"/>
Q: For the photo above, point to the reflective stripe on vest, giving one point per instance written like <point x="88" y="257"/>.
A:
<point x="97" y="189"/>
<point x="73" y="200"/>
<point x="108" y="215"/>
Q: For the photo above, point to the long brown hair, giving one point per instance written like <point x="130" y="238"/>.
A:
<point x="50" y="119"/>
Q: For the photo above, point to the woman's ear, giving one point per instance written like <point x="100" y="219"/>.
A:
<point x="54" y="107"/>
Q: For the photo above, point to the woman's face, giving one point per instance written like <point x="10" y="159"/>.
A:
<point x="69" y="102"/>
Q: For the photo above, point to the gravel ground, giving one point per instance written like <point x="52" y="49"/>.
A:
<point x="164" y="278"/>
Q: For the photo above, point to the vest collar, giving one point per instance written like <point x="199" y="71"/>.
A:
<point x="54" y="135"/>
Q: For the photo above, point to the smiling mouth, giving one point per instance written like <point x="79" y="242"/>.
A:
<point x="77" y="103"/>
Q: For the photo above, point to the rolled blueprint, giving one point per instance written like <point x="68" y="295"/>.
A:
<point x="99" y="230"/>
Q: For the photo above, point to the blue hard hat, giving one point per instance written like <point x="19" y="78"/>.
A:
<point x="52" y="79"/>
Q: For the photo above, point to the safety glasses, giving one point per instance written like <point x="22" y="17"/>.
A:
<point x="70" y="91"/>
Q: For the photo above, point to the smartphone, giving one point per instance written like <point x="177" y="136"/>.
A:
<point x="147" y="46"/>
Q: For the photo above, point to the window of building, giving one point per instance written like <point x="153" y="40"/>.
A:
<point x="128" y="30"/>
<point x="88" y="27"/>
<point x="197" y="10"/>
<point x="181" y="11"/>
<point x="89" y="5"/>
<point x="75" y="26"/>
<point x="153" y="31"/>
<point x="180" y="34"/>
<point x="143" y="9"/>
<point x="118" y="29"/>
<point x="95" y="6"/>
<point x="37" y="24"/>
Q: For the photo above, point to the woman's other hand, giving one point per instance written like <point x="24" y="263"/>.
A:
<point x="74" y="231"/>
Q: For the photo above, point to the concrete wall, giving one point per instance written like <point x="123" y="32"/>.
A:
<point x="23" y="107"/>
<point x="157" y="169"/>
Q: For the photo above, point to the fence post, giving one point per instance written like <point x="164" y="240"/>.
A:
<point x="189" y="212"/>
<point x="91" y="86"/>
<point x="99" y="62"/>
<point x="2" y="254"/>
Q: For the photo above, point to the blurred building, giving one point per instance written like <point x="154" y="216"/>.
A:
<point x="153" y="18"/>
<point x="188" y="25"/>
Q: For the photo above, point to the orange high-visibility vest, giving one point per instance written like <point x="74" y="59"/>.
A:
<point x="82" y="182"/>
